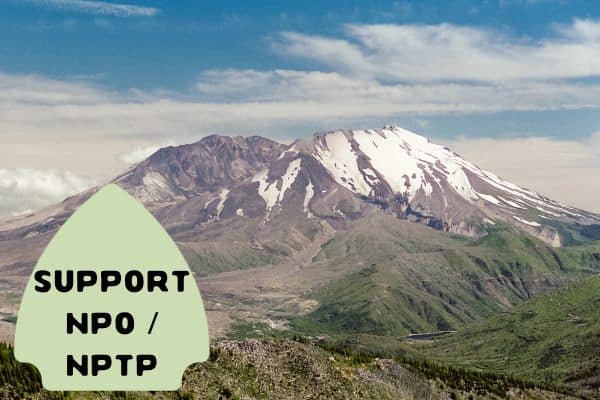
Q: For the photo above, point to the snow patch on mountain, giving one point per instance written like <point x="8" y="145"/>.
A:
<point x="371" y="176"/>
<point x="488" y="198"/>
<point x="290" y="176"/>
<point x="292" y="151"/>
<point x="269" y="191"/>
<point x="460" y="183"/>
<point x="513" y="204"/>
<point x="391" y="154"/>
<point x="222" y="199"/>
<point x="339" y="159"/>
<point x="155" y="188"/>
<point x="310" y="192"/>
<point x="545" y="211"/>
<point x="526" y="222"/>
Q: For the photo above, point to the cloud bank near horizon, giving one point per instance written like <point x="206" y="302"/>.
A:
<point x="25" y="190"/>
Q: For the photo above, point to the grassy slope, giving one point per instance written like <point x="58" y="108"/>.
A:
<point x="554" y="338"/>
<point x="211" y="258"/>
<point x="237" y="246"/>
<point x="414" y="279"/>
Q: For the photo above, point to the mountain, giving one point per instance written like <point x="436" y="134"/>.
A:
<point x="555" y="338"/>
<point x="338" y="176"/>
<point x="417" y="179"/>
<point x="380" y="227"/>
<point x="373" y="234"/>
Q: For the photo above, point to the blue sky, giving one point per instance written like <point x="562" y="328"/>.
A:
<point x="90" y="86"/>
<point x="62" y="40"/>
<point x="159" y="46"/>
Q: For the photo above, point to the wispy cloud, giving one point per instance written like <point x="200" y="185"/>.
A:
<point x="35" y="89"/>
<point x="450" y="52"/>
<point x="99" y="7"/>
<point x="378" y="72"/>
<point x="354" y="86"/>
<point x="341" y="94"/>
<point x="140" y="153"/>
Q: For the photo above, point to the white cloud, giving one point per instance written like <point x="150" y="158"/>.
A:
<point x="38" y="90"/>
<point x="243" y="86"/>
<point x="140" y="153"/>
<point x="99" y="7"/>
<point x="564" y="170"/>
<point x="423" y="58"/>
<point x="449" y="52"/>
<point x="47" y="123"/>
<point x="340" y="54"/>
<point x="367" y="96"/>
<point x="24" y="189"/>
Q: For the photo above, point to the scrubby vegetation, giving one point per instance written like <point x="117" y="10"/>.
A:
<point x="553" y="339"/>
<point x="301" y="368"/>
<point x="464" y="379"/>
<point x="19" y="380"/>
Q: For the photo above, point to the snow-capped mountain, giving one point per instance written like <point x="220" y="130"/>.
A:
<point x="337" y="176"/>
<point x="431" y="183"/>
<point x="264" y="191"/>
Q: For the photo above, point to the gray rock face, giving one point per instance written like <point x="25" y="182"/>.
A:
<point x="184" y="172"/>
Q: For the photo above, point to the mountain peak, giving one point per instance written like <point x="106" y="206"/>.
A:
<point x="428" y="182"/>
<point x="183" y="172"/>
<point x="394" y="130"/>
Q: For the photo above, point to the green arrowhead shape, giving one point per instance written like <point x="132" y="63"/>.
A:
<point x="112" y="231"/>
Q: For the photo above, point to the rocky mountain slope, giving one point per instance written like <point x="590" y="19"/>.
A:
<point x="453" y="242"/>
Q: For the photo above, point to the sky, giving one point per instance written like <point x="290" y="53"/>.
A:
<point x="89" y="87"/>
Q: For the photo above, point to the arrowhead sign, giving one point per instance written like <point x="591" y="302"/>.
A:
<point x="111" y="303"/>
